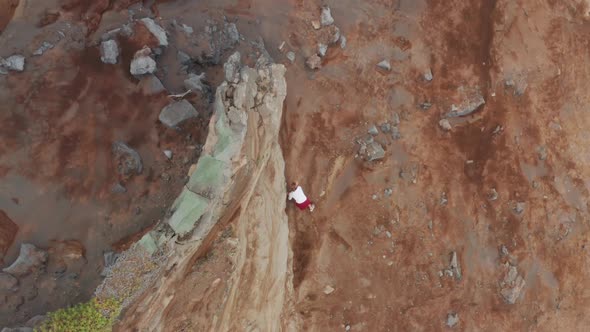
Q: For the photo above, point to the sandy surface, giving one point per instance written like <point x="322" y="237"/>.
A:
<point x="386" y="256"/>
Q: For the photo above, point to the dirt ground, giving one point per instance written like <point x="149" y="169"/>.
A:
<point x="505" y="186"/>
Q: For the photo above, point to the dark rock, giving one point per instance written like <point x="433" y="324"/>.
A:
<point x="17" y="329"/>
<point x="195" y="83"/>
<point x="110" y="258"/>
<point x="176" y="112"/>
<point x="519" y="207"/>
<point x="542" y="152"/>
<point x="30" y="258"/>
<point x="8" y="283"/>
<point x="128" y="160"/>
<point x="372" y="151"/>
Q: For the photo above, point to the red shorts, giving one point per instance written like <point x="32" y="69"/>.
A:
<point x="303" y="205"/>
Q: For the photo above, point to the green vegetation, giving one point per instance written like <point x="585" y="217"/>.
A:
<point x="93" y="316"/>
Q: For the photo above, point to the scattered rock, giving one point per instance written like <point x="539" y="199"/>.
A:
<point x="328" y="290"/>
<point x="168" y="154"/>
<point x="542" y="152"/>
<point x="14" y="62"/>
<point x="452" y="319"/>
<point x="29" y="259"/>
<point x="156" y="30"/>
<point x="316" y="24"/>
<point x="371" y="150"/>
<point x="322" y="49"/>
<point x="428" y="75"/>
<point x="504" y="251"/>
<point x="425" y="106"/>
<point x="493" y="195"/>
<point x="343" y="42"/>
<point x="519" y="207"/>
<point x="512" y="285"/>
<point x="291" y="56"/>
<point x="388" y="192"/>
<point x="384" y="65"/>
<point x="232" y="67"/>
<point x="395" y="121"/>
<point x="8" y="283"/>
<point x="385" y="128"/>
<point x="176" y="112"/>
<point x="109" y="52"/>
<point x="455" y="266"/>
<point x="373" y="131"/>
<point x="127" y="159"/>
<point x="142" y="62"/>
<point x="395" y="133"/>
<point x="45" y="46"/>
<point x="151" y="85"/>
<point x="314" y="62"/>
<point x="118" y="188"/>
<point x="326" y="16"/>
<point x="445" y="125"/>
<point x="443" y="199"/>
<point x="195" y="83"/>
<point x="467" y="107"/>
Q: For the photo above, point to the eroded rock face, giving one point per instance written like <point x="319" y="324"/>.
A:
<point x="29" y="259"/>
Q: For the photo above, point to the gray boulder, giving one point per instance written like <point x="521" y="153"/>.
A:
<point x="326" y="16"/>
<point x="109" y="52"/>
<point x="322" y="49"/>
<point x="291" y="56"/>
<point x="151" y="85"/>
<point x="232" y="67"/>
<point x="176" y="112"/>
<point x="14" y="62"/>
<point x="452" y="319"/>
<point x="195" y="82"/>
<point x="142" y="63"/>
<point x="29" y="259"/>
<point x="384" y="65"/>
<point x="8" y="283"/>
<point x="128" y="160"/>
<point x="156" y="30"/>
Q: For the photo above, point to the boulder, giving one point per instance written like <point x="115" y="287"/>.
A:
<point x="151" y="85"/>
<point x="109" y="52"/>
<point x="385" y="65"/>
<point x="8" y="283"/>
<point x="373" y="131"/>
<point x="176" y="112"/>
<point x="372" y="151"/>
<point x="142" y="62"/>
<point x="127" y="159"/>
<point x="195" y="82"/>
<point x="156" y="30"/>
<point x="29" y="259"/>
<point x="326" y="16"/>
<point x="452" y="319"/>
<point x="8" y="230"/>
<point x="467" y="107"/>
<point x="168" y="154"/>
<point x="14" y="62"/>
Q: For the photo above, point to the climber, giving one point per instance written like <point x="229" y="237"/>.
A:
<point x="301" y="200"/>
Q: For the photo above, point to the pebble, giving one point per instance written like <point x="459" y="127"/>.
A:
<point x="316" y="24"/>
<point x="326" y="16"/>
<point x="388" y="234"/>
<point x="109" y="52"/>
<point x="384" y="65"/>
<point x="428" y="75"/>
<point x="347" y="327"/>
<point x="452" y="319"/>
<point x="291" y="56"/>
<point x="395" y="133"/>
<point x="493" y="195"/>
<point x="322" y="49"/>
<point x="343" y="42"/>
<point x="425" y="106"/>
<point x="385" y="127"/>
<point x="168" y="154"/>
<point x="395" y="119"/>
<point x="445" y="125"/>
<point x="328" y="290"/>
<point x="519" y="208"/>
<point x="373" y="131"/>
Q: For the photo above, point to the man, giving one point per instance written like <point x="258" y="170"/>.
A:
<point x="301" y="200"/>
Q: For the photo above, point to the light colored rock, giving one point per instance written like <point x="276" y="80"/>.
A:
<point x="109" y="51"/>
<point x="156" y="30"/>
<point x="291" y="56"/>
<point x="428" y="75"/>
<point x="314" y="62"/>
<point x="29" y="259"/>
<point x="493" y="195"/>
<point x="176" y="112"/>
<point x="328" y="290"/>
<point x="168" y="154"/>
<point x="322" y="49"/>
<point x="395" y="133"/>
<point x="195" y="82"/>
<point x="452" y="319"/>
<point x="326" y="16"/>
<point x="232" y="67"/>
<point x="316" y="24"/>
<point x="467" y="107"/>
<point x="372" y="151"/>
<point x="373" y="130"/>
<point x="45" y="46"/>
<point x="14" y="62"/>
<point x="142" y="63"/>
<point x="512" y="285"/>
<point x="445" y="125"/>
<point x="455" y="266"/>
<point x="343" y="42"/>
<point x="385" y="65"/>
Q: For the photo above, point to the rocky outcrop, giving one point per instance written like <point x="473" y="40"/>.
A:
<point x="240" y="175"/>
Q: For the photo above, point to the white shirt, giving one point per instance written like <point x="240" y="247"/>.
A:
<point x="297" y="195"/>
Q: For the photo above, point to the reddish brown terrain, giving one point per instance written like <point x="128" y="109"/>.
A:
<point x="472" y="222"/>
